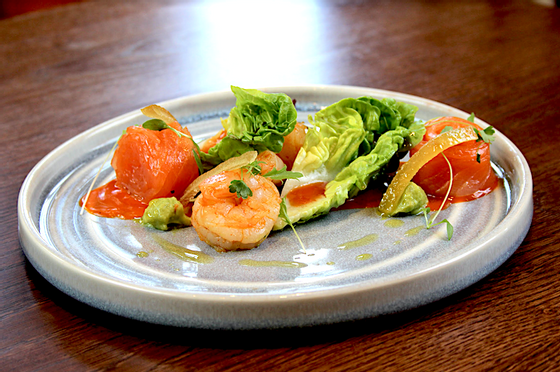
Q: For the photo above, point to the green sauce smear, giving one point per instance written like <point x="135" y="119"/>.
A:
<point x="393" y="222"/>
<point x="414" y="231"/>
<point x="363" y="257"/>
<point x="358" y="243"/>
<point x="288" y="264"/>
<point x="183" y="253"/>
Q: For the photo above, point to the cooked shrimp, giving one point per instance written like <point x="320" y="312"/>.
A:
<point x="292" y="144"/>
<point x="227" y="222"/>
<point x="270" y="161"/>
<point x="212" y="141"/>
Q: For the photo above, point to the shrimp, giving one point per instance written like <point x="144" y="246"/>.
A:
<point x="227" y="222"/>
<point x="212" y="141"/>
<point x="270" y="161"/>
<point x="292" y="144"/>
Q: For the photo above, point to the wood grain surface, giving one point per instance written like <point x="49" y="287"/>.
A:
<point x="66" y="69"/>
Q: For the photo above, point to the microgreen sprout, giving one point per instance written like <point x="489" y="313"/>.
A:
<point x="486" y="135"/>
<point x="446" y="129"/>
<point x="158" y="124"/>
<point x="284" y="216"/>
<point x="430" y="222"/>
<point x="244" y="191"/>
<point x="240" y="188"/>
<point x="282" y="174"/>
<point x="254" y="167"/>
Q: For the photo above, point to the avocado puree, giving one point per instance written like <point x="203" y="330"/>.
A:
<point x="165" y="213"/>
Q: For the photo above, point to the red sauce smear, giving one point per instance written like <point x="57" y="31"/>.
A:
<point x="370" y="198"/>
<point x="111" y="201"/>
<point x="302" y="195"/>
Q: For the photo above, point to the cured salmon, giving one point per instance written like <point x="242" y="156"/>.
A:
<point x="471" y="178"/>
<point x="153" y="164"/>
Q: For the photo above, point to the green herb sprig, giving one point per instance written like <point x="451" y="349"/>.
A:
<point x="243" y="191"/>
<point x="240" y="188"/>
<point x="283" y="174"/>
<point x="430" y="222"/>
<point x="284" y="216"/>
<point x="253" y="167"/>
<point x="486" y="135"/>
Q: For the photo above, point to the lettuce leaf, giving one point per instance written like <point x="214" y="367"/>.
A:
<point x="259" y="121"/>
<point x="330" y="144"/>
<point x="348" y="182"/>
<point x="390" y="114"/>
<point x="346" y="157"/>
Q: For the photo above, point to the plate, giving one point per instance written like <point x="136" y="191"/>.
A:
<point x="356" y="264"/>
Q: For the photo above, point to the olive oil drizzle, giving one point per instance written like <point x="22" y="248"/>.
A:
<point x="414" y="231"/>
<point x="183" y="253"/>
<point x="359" y="242"/>
<point x="363" y="257"/>
<point x="394" y="223"/>
<point x="287" y="264"/>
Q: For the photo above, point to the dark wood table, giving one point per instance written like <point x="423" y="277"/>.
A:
<point x="66" y="69"/>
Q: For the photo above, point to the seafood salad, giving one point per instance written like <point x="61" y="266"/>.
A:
<point x="265" y="171"/>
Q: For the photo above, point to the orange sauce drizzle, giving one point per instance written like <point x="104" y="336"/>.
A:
<point x="370" y="198"/>
<point x="302" y="195"/>
<point x="110" y="201"/>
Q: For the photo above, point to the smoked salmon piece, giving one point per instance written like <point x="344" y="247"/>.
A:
<point x="153" y="164"/>
<point x="471" y="179"/>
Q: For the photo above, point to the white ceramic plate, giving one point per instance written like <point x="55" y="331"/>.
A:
<point x="394" y="267"/>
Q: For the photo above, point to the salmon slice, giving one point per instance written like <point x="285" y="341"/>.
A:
<point x="471" y="179"/>
<point x="154" y="164"/>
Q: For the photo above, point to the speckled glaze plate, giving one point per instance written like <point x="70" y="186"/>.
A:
<point x="356" y="264"/>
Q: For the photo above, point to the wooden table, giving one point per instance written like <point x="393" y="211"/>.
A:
<point x="66" y="69"/>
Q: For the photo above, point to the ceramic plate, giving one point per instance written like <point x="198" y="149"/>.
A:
<point x="356" y="264"/>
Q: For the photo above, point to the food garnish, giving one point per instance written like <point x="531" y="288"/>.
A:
<point x="284" y="216"/>
<point x="243" y="191"/>
<point x="426" y="211"/>
<point x="240" y="188"/>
